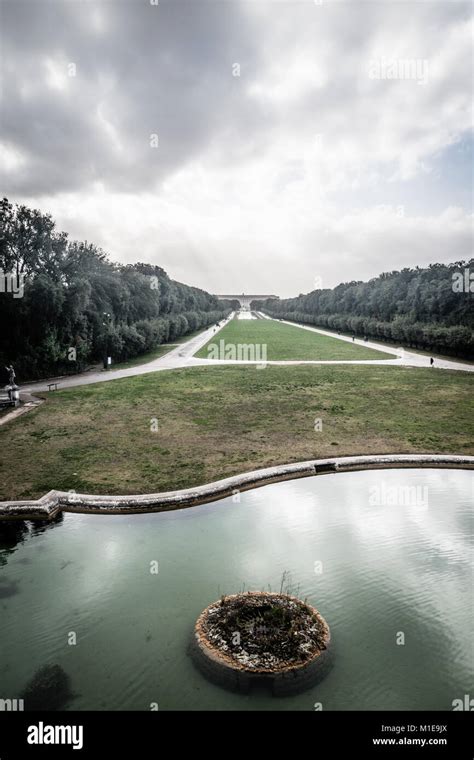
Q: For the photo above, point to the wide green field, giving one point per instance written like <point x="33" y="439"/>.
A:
<point x="213" y="422"/>
<point x="285" y="342"/>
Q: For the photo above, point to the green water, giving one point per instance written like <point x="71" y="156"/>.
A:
<point x="386" y="569"/>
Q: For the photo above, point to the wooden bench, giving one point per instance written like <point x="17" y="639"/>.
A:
<point x="50" y="385"/>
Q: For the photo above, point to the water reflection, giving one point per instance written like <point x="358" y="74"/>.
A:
<point x="13" y="533"/>
<point x="373" y="570"/>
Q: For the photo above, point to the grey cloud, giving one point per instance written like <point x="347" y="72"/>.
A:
<point x="168" y="69"/>
<point x="164" y="70"/>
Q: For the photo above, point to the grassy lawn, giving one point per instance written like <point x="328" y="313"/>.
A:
<point x="218" y="421"/>
<point x="285" y="342"/>
<point x="409" y="349"/>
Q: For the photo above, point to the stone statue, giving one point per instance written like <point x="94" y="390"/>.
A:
<point x="11" y="375"/>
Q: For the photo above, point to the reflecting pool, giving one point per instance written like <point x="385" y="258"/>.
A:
<point x="385" y="556"/>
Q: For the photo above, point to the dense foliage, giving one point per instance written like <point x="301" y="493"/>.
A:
<point x="430" y="308"/>
<point x="75" y="306"/>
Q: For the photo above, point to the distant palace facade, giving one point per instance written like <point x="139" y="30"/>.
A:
<point x="245" y="299"/>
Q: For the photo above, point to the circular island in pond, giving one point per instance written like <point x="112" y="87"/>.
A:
<point x="259" y="637"/>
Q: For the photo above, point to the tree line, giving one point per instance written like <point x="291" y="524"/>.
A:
<point x="65" y="305"/>
<point x="428" y="308"/>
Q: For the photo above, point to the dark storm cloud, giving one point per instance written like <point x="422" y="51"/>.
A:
<point x="141" y="69"/>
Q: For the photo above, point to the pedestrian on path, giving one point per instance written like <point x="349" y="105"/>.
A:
<point x="431" y="362"/>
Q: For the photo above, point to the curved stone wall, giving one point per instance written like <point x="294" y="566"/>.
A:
<point x="54" y="502"/>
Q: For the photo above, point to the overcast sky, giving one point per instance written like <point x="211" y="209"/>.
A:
<point x="295" y="140"/>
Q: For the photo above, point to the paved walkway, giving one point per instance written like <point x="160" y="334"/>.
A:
<point x="176" y="358"/>
<point x="29" y="403"/>
<point x="183" y="356"/>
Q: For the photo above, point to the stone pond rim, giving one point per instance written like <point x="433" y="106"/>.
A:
<point x="48" y="507"/>
<point x="284" y="678"/>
